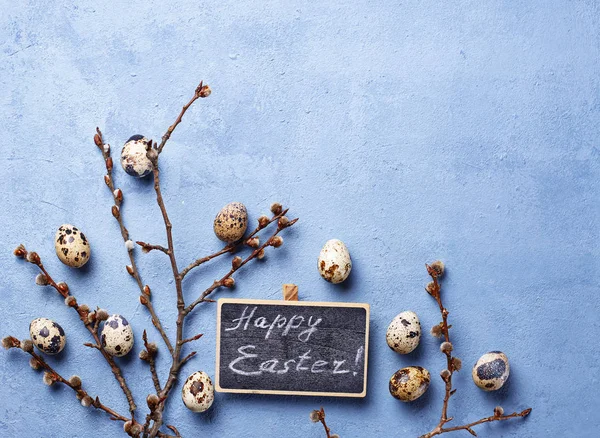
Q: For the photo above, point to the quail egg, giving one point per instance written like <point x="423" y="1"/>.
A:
<point x="71" y="245"/>
<point x="117" y="336"/>
<point x="404" y="332"/>
<point x="491" y="371"/>
<point x="198" y="392"/>
<point x="47" y="335"/>
<point x="133" y="157"/>
<point x="334" y="261"/>
<point x="231" y="222"/>
<point x="409" y="383"/>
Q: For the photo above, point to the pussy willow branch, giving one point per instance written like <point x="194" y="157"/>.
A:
<point x="182" y="311"/>
<point x="132" y="269"/>
<point x="321" y="416"/>
<point x="88" y="319"/>
<point x="435" y="271"/>
<point x="56" y="377"/>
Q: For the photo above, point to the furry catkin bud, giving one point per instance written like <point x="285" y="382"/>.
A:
<point x="144" y="300"/>
<point x="276" y="208"/>
<point x="63" y="288"/>
<point x="283" y="221"/>
<point x="86" y="401"/>
<point x="253" y="242"/>
<point x="33" y="257"/>
<point x="115" y="212"/>
<point x="446" y="347"/>
<point x="152" y="155"/>
<point x="71" y="301"/>
<point x="98" y="140"/>
<point x="20" y="251"/>
<point x="147" y="290"/>
<point x="136" y="429"/>
<point x="129" y="245"/>
<point x="335" y="435"/>
<point x="41" y="280"/>
<point x="129" y="269"/>
<point x="456" y="363"/>
<point x="205" y="91"/>
<point x="27" y="346"/>
<point x="144" y="355"/>
<point x="261" y="254"/>
<point x="33" y="363"/>
<point x="101" y="314"/>
<point x="236" y="262"/>
<point x="152" y="348"/>
<point x="430" y="288"/>
<point x="127" y="427"/>
<point x="91" y="317"/>
<point x="109" y="164"/>
<point x="498" y="411"/>
<point x="75" y="381"/>
<point x="436" y="331"/>
<point x="276" y="241"/>
<point x="48" y="378"/>
<point x="263" y="221"/>
<point x="152" y="401"/>
<point x="437" y="268"/>
<point x="107" y="180"/>
<point x="315" y="416"/>
<point x="118" y="194"/>
<point x="444" y="374"/>
<point x="84" y="308"/>
<point x="229" y="282"/>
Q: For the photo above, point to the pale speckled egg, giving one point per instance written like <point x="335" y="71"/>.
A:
<point x="409" y="383"/>
<point x="491" y="371"/>
<point x="117" y="336"/>
<point x="71" y="245"/>
<point x="334" y="261"/>
<point x="404" y="332"/>
<point x="231" y="222"/>
<point x="47" y="335"/>
<point x="133" y="157"/>
<point x="198" y="392"/>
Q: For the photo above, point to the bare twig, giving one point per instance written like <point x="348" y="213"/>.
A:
<point x="435" y="271"/>
<point x="318" y="416"/>
<point x="151" y="362"/>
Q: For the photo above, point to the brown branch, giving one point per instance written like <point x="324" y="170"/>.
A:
<point x="151" y="362"/>
<point x="87" y="317"/>
<point x="54" y="376"/>
<point x="435" y="271"/>
<point x="201" y="92"/>
<point x="227" y="249"/>
<point x="257" y="253"/>
<point x="193" y="338"/>
<point x="146" y="247"/>
<point x="132" y="269"/>
<point x="318" y="416"/>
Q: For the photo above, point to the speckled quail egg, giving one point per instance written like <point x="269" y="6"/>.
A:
<point x="231" y="222"/>
<point x="71" y="245"/>
<point x="198" y="392"/>
<point x="491" y="371"/>
<point x="117" y="336"/>
<point x="334" y="261"/>
<point x="404" y="332"/>
<point x="133" y="157"/>
<point x="409" y="383"/>
<point x="47" y="335"/>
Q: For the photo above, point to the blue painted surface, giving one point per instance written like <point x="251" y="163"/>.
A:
<point x="467" y="131"/>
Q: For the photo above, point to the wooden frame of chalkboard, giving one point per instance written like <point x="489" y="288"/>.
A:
<point x="362" y="376"/>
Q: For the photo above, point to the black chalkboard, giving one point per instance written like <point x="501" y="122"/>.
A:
<point x="292" y="347"/>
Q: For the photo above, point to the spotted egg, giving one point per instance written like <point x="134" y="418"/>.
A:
<point x="71" y="246"/>
<point x="117" y="336"/>
<point x="198" y="392"/>
<point x="231" y="222"/>
<point x="491" y="371"/>
<point x="334" y="261"/>
<point x="47" y="335"/>
<point x="404" y="332"/>
<point x="409" y="383"/>
<point x="133" y="156"/>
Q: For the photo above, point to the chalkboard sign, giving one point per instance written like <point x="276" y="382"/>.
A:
<point x="292" y="347"/>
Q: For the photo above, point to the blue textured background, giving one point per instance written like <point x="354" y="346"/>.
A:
<point x="466" y="131"/>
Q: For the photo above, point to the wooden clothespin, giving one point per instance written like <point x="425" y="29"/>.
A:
<point x="290" y="292"/>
